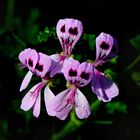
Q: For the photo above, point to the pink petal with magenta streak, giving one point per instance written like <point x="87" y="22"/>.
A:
<point x="62" y="104"/>
<point x="30" y="98"/>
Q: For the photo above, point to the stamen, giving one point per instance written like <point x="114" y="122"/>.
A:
<point x="21" y="66"/>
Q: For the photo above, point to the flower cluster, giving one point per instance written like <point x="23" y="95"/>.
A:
<point x="76" y="74"/>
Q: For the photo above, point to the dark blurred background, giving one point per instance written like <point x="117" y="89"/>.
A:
<point x="118" y="18"/>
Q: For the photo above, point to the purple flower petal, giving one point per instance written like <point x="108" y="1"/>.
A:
<point x="103" y="87"/>
<point x="48" y="96"/>
<point x="26" y="80"/>
<point x="62" y="115"/>
<point x="106" y="48"/>
<point x="68" y="31"/>
<point x="37" y="105"/>
<point x="61" y="105"/>
<point x="82" y="107"/>
<point x="30" y="98"/>
<point x="85" y="73"/>
<point x="56" y="65"/>
<point x="42" y="65"/>
<point x="24" y="55"/>
<point x="70" y="68"/>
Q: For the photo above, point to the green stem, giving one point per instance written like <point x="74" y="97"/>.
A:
<point x="133" y="63"/>
<point x="102" y="122"/>
<point x="74" y="123"/>
<point x="67" y="129"/>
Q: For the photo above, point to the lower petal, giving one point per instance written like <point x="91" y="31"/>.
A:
<point x="57" y="64"/>
<point x="62" y="115"/>
<point x="29" y="99"/>
<point x="26" y="81"/>
<point x="103" y="87"/>
<point x="48" y="96"/>
<point x="37" y="106"/>
<point x="82" y="107"/>
<point x="60" y="104"/>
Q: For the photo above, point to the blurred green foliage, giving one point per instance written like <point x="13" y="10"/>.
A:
<point x="114" y="60"/>
<point x="91" y="40"/>
<point x="135" y="42"/>
<point x="113" y="107"/>
<point x="136" y="77"/>
<point x="135" y="74"/>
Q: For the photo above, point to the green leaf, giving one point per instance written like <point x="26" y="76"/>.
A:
<point x="135" y="42"/>
<point x="78" y="57"/>
<point x="91" y="41"/>
<point x="85" y="36"/>
<point x="136" y="77"/>
<point x="53" y="32"/>
<point x="47" y="33"/>
<point x="42" y="36"/>
<point x="114" y="60"/>
<point x="111" y="74"/>
<point x="113" y="107"/>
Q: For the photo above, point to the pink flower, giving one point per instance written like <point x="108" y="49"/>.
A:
<point x="106" y="48"/>
<point x="38" y="64"/>
<point x="68" y="31"/>
<point x="102" y="86"/>
<point x="78" y="75"/>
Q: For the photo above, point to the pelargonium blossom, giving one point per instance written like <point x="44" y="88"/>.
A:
<point x="77" y="75"/>
<point x="38" y="64"/>
<point x="102" y="86"/>
<point x="68" y="31"/>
